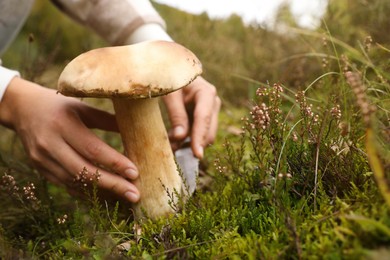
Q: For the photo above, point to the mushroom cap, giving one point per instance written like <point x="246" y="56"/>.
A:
<point x="142" y="70"/>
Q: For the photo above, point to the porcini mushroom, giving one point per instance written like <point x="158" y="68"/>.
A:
<point x="132" y="76"/>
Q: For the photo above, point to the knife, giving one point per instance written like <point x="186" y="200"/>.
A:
<point x="189" y="166"/>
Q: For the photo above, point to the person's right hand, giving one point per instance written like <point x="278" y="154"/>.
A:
<point x="55" y="133"/>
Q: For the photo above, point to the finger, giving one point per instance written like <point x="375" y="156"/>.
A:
<point x="214" y="121"/>
<point x="203" y="115"/>
<point x="95" y="118"/>
<point x="175" y="145"/>
<point x="115" y="184"/>
<point x="73" y="184"/>
<point x="177" y="115"/>
<point x="48" y="174"/>
<point x="46" y="165"/>
<point x="75" y="192"/>
<point x="119" y="186"/>
<point x="98" y="152"/>
<point x="55" y="174"/>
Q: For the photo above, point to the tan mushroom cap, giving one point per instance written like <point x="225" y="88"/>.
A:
<point x="142" y="70"/>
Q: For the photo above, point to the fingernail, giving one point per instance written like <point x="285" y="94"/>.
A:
<point x="179" y="131"/>
<point x="131" y="173"/>
<point x="131" y="196"/>
<point x="200" y="152"/>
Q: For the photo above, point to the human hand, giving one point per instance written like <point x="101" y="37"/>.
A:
<point x="54" y="131"/>
<point x="193" y="111"/>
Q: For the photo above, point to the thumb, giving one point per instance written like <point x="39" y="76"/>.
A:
<point x="178" y="117"/>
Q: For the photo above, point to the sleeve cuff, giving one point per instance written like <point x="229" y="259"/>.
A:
<point x="148" y="32"/>
<point x="6" y="75"/>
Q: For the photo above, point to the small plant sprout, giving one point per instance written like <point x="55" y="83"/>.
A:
<point x="61" y="220"/>
<point x="24" y="194"/>
<point x="84" y="177"/>
<point x="29" y="192"/>
<point x="8" y="183"/>
<point x="336" y="112"/>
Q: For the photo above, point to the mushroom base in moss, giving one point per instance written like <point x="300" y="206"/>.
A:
<point x="146" y="144"/>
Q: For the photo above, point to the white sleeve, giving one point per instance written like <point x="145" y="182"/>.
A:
<point x="6" y="75"/>
<point x="115" y="20"/>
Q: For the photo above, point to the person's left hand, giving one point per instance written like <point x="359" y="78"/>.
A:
<point x="193" y="111"/>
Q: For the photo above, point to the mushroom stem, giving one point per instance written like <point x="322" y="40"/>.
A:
<point x="146" y="144"/>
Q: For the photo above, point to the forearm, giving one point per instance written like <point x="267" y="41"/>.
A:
<point x="115" y="21"/>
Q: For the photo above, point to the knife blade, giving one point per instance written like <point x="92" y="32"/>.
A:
<point x="189" y="166"/>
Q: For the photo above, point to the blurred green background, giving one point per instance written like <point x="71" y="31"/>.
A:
<point x="229" y="50"/>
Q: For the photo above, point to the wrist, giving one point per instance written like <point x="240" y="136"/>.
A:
<point x="16" y="96"/>
<point x="7" y="102"/>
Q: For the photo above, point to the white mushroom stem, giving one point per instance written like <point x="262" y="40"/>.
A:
<point x="146" y="144"/>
